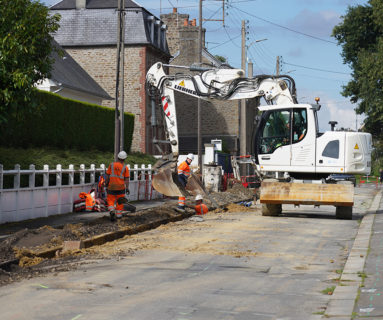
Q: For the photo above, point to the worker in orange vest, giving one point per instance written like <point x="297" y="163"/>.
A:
<point x="117" y="185"/>
<point x="200" y="208"/>
<point x="183" y="175"/>
<point x="89" y="200"/>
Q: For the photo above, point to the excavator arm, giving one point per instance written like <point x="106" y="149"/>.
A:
<point x="209" y="83"/>
<point x="221" y="84"/>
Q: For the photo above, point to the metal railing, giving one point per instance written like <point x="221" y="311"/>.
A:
<point x="31" y="193"/>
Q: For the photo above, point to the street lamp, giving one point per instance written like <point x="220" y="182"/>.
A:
<point x="248" y="47"/>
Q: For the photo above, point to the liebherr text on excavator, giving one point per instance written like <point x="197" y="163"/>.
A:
<point x="289" y="149"/>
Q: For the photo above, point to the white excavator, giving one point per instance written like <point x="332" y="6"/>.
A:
<point x="295" y="160"/>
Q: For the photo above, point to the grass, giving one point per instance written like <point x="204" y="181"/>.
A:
<point x="40" y="156"/>
<point x="329" y="290"/>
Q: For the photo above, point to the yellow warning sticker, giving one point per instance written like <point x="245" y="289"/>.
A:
<point x="356" y="146"/>
<point x="182" y="83"/>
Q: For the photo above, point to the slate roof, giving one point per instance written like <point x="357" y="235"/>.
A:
<point x="69" y="74"/>
<point x="97" y="24"/>
<point x="93" y="4"/>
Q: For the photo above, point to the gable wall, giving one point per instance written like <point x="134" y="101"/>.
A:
<point x="100" y="63"/>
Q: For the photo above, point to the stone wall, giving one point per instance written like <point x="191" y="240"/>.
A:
<point x="100" y="63"/>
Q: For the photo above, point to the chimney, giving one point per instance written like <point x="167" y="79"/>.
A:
<point x="186" y="22"/>
<point x="80" y="4"/>
<point x="174" y="10"/>
<point x="193" y="22"/>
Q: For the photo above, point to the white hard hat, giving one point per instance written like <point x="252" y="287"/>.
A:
<point x="190" y="156"/>
<point x="198" y="197"/>
<point x="122" y="155"/>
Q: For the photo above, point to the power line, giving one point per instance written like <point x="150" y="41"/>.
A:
<point x="316" y="69"/>
<point x="230" y="39"/>
<point x="321" y="78"/>
<point x="280" y="26"/>
<point x="227" y="33"/>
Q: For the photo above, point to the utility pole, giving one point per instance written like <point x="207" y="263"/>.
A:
<point x="117" y="122"/>
<point x="199" y="116"/>
<point x="122" y="95"/>
<point x="277" y="66"/>
<point x="242" y="135"/>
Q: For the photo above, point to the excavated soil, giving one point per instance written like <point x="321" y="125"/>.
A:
<point x="26" y="246"/>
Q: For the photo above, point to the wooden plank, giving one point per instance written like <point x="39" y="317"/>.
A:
<point x="307" y="193"/>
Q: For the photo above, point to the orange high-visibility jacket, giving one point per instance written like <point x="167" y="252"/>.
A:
<point x="117" y="173"/>
<point x="201" y="209"/>
<point x="184" y="169"/>
<point x="89" y="201"/>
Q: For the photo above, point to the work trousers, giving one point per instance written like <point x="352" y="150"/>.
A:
<point x="113" y="205"/>
<point x="181" y="201"/>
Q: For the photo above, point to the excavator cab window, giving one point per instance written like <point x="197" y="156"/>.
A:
<point x="299" y="124"/>
<point x="275" y="131"/>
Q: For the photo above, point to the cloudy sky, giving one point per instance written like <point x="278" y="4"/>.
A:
<point x="297" y="30"/>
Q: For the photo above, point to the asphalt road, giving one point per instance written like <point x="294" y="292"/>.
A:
<point x="229" y="266"/>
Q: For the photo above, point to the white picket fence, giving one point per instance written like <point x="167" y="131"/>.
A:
<point x="24" y="201"/>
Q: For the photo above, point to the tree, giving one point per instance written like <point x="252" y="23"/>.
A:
<point x="361" y="36"/>
<point x="25" y="46"/>
<point x="220" y="58"/>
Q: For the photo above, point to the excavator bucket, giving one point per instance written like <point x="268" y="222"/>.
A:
<point x="164" y="183"/>
<point x="194" y="186"/>
<point x="307" y="193"/>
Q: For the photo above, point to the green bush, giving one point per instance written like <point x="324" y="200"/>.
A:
<point x="64" y="123"/>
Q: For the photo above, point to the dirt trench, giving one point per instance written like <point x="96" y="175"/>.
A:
<point x="26" y="248"/>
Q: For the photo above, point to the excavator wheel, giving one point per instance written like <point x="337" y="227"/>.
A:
<point x="271" y="210"/>
<point x="344" y="213"/>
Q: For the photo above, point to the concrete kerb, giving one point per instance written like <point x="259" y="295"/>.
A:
<point x="342" y="301"/>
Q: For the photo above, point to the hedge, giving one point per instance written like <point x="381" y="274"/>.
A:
<point x="66" y="123"/>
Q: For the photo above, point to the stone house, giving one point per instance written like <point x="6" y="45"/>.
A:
<point x="88" y="32"/>
<point x="69" y="80"/>
<point x="220" y="119"/>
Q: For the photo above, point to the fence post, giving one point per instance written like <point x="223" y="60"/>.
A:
<point x="31" y="184"/>
<point x="150" y="181"/>
<point x="16" y="178"/>
<point x="1" y="176"/>
<point x="82" y="174"/>
<point x="46" y="176"/>
<point x="136" y="180"/>
<point x="32" y="176"/>
<point x="46" y="186"/>
<point x="58" y="175"/>
<point x="1" y="188"/>
<point x="71" y="175"/>
<point x="58" y="184"/>
<point x="143" y="178"/>
<point x="92" y="173"/>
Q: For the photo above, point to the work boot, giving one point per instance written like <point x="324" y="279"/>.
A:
<point x="180" y="209"/>
<point x="112" y="216"/>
